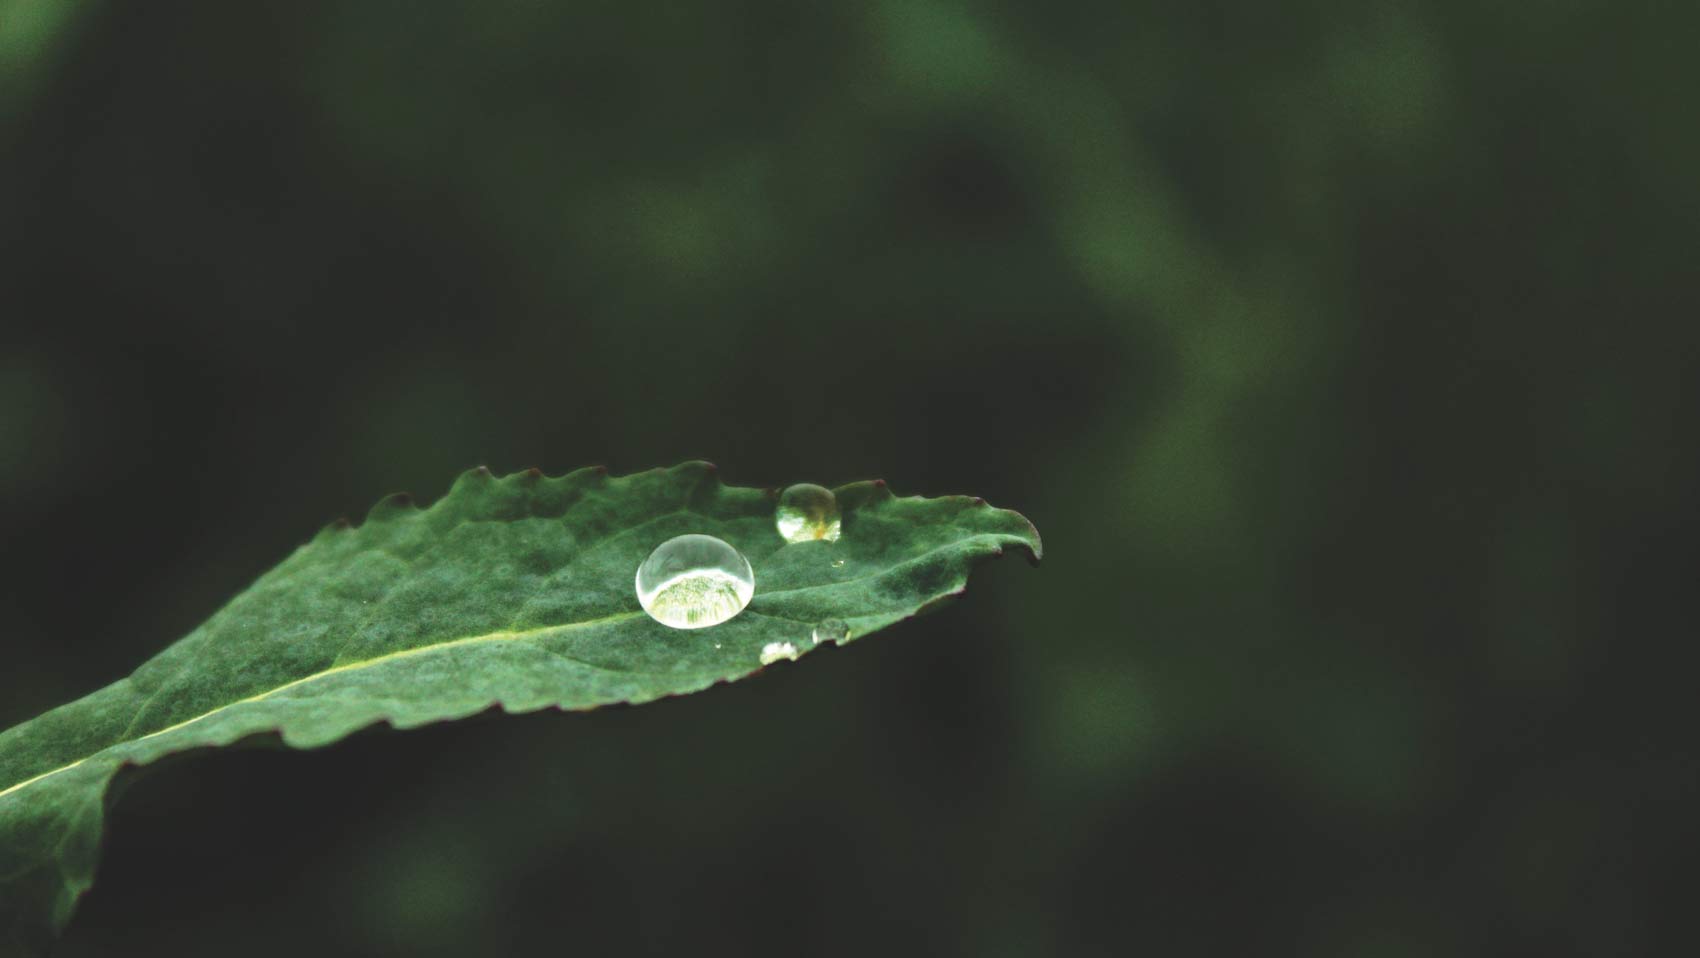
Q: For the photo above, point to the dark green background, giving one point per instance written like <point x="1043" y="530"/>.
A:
<point x="1342" y="351"/>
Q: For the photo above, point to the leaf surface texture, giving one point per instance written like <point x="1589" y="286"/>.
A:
<point x="512" y="592"/>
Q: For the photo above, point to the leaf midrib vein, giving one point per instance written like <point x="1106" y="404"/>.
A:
<point x="377" y="607"/>
<point x="502" y="636"/>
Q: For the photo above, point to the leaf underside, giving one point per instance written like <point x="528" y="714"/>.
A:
<point x="513" y="592"/>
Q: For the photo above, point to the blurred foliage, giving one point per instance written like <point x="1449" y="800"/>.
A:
<point x="1340" y="349"/>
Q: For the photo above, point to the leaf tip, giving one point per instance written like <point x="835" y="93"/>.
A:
<point x="1033" y="546"/>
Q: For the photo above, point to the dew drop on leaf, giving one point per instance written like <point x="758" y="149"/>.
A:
<point x="830" y="630"/>
<point x="694" y="581"/>
<point x="774" y="651"/>
<point x="808" y="513"/>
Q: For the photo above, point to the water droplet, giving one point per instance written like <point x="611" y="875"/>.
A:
<point x="774" y="651"/>
<point x="808" y="513"/>
<point x="838" y="563"/>
<point x="831" y="630"/>
<point x="694" y="581"/>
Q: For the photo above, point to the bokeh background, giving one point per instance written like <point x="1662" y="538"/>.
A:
<point x="1343" y="352"/>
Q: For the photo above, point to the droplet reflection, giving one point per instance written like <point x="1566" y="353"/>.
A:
<point x="774" y="651"/>
<point x="808" y="513"/>
<point x="694" y="581"/>
<point x="830" y="630"/>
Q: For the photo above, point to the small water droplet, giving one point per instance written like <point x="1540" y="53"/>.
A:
<point x="774" y="651"/>
<point x="694" y="581"/>
<point x="838" y="563"/>
<point x="808" y="513"/>
<point x="831" y="630"/>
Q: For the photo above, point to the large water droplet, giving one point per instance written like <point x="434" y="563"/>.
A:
<point x="694" y="581"/>
<point x="831" y="630"/>
<point x="808" y="513"/>
<point x="774" y="651"/>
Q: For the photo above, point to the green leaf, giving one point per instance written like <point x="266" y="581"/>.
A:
<point x="513" y="593"/>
